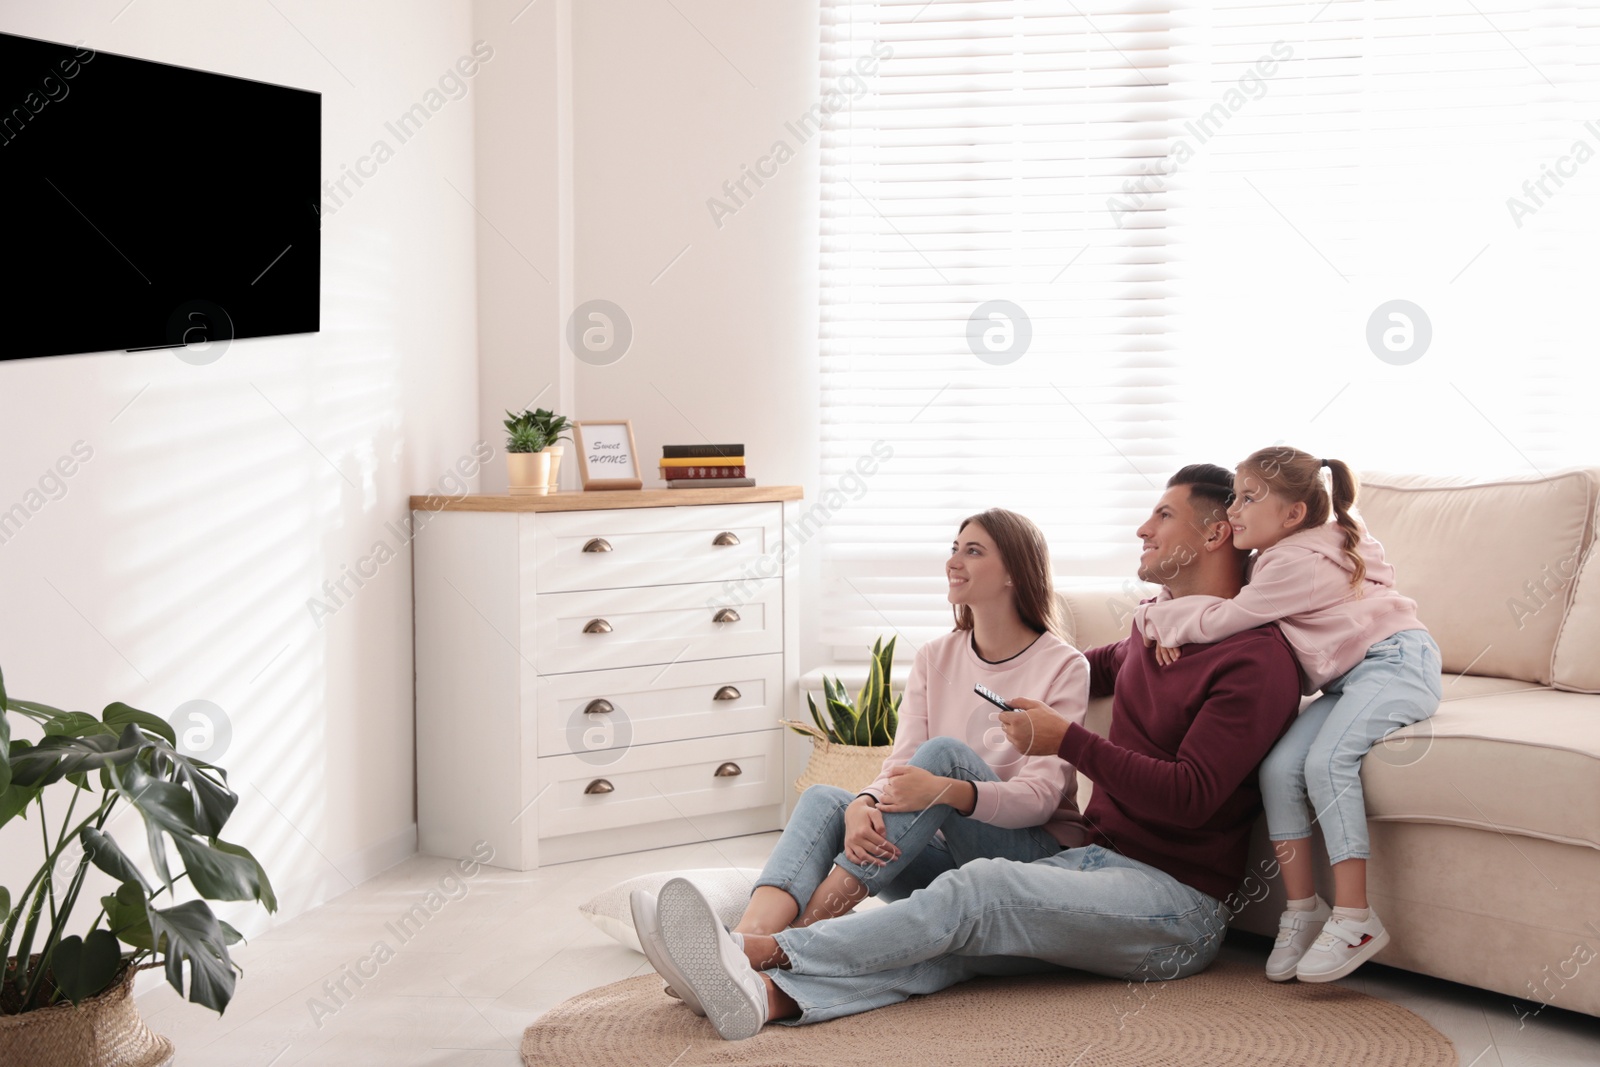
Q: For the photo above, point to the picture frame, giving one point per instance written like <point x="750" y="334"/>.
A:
<point x="607" y="455"/>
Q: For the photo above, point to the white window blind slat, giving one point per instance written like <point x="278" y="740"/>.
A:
<point x="1197" y="207"/>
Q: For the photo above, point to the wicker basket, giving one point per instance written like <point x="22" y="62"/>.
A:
<point x="850" y="767"/>
<point x="104" y="1031"/>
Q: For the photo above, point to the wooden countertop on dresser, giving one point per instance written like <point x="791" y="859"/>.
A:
<point x="596" y="500"/>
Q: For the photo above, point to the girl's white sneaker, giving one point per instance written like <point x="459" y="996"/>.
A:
<point x="1296" y="931"/>
<point x="1343" y="945"/>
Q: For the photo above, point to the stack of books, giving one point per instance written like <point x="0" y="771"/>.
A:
<point x="703" y="466"/>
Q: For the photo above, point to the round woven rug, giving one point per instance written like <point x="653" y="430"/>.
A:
<point x="1228" y="1015"/>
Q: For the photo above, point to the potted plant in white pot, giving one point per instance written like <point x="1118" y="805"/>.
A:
<point x="554" y="427"/>
<point x="527" y="462"/>
<point x="849" y="746"/>
<point x="66" y="999"/>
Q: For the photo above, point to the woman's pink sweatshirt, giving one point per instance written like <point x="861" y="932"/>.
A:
<point x="940" y="702"/>
<point x="1303" y="584"/>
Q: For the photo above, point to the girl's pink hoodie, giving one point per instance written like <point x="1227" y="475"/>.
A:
<point x="939" y="701"/>
<point x="1303" y="584"/>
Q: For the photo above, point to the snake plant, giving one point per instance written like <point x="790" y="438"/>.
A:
<point x="872" y="719"/>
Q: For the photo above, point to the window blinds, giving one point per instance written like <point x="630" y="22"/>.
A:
<point x="1070" y="247"/>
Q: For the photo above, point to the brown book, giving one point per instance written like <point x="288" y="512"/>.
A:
<point x="672" y="474"/>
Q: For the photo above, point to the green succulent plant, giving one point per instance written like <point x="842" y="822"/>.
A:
<point x="524" y="428"/>
<point x="526" y="439"/>
<point x="553" y="425"/>
<point x="872" y="719"/>
<point x="124" y="756"/>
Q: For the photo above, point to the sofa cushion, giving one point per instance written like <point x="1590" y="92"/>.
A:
<point x="1490" y="564"/>
<point x="1099" y="611"/>
<point x="1577" y="665"/>
<point x="1521" y="764"/>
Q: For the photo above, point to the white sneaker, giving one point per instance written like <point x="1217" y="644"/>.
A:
<point x="711" y="963"/>
<point x="655" y="950"/>
<point x="1296" y="931"/>
<point x="1344" y="945"/>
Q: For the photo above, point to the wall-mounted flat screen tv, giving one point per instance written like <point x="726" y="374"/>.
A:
<point x="146" y="205"/>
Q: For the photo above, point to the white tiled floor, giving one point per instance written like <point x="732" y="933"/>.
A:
<point x="460" y="990"/>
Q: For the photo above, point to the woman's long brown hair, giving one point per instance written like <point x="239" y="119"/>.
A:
<point x="1026" y="557"/>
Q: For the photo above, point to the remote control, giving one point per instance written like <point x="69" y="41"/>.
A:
<point x="992" y="697"/>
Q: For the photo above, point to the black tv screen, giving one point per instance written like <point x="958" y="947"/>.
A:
<point x="147" y="205"/>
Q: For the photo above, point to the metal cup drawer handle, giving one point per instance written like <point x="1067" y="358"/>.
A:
<point x="600" y="785"/>
<point x="726" y="537"/>
<point x="597" y="544"/>
<point x="599" y="707"/>
<point x="726" y="615"/>
<point x="728" y="770"/>
<point x="597" y="626"/>
<point x="727" y="692"/>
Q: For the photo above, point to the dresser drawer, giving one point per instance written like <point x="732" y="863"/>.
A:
<point x="661" y="624"/>
<point x="654" y="546"/>
<point x="649" y="705"/>
<point x="660" y="783"/>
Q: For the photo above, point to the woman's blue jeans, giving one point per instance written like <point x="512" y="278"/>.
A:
<point x="813" y="841"/>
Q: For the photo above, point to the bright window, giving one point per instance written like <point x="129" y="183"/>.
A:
<point x="1195" y="212"/>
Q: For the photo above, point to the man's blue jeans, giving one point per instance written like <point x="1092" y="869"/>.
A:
<point x="813" y="841"/>
<point x="1089" y="909"/>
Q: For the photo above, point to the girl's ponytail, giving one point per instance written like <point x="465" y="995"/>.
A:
<point x="1344" y="498"/>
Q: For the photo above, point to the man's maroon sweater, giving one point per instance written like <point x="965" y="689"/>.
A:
<point x="1175" y="779"/>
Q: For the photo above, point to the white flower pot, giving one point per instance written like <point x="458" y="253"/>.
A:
<point x="554" y="452"/>
<point x="528" y="473"/>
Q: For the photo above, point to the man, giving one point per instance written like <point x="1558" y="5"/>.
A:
<point x="1174" y="800"/>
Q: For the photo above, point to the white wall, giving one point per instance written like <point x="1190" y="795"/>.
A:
<point x="667" y="102"/>
<point x="219" y="498"/>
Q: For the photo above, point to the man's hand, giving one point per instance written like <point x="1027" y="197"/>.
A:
<point x="917" y="789"/>
<point x="1033" y="729"/>
<point x="1166" y="656"/>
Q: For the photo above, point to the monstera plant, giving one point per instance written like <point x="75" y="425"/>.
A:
<point x="122" y="757"/>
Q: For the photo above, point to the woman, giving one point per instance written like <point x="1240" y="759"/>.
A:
<point x="952" y="773"/>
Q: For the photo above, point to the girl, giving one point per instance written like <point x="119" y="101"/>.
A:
<point x="951" y="770"/>
<point x="1328" y="588"/>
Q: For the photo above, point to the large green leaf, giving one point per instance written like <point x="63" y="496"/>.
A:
<point x="77" y="724"/>
<point x="191" y="934"/>
<point x="268" y="898"/>
<point x="14" y="799"/>
<point x="218" y="874"/>
<point x="56" y="756"/>
<point x="127" y="917"/>
<point x="83" y="967"/>
<point x="211" y="800"/>
<point x="5" y="904"/>
<point x="119" y="714"/>
<point x="166" y="808"/>
<point x="105" y="854"/>
<point x="35" y="710"/>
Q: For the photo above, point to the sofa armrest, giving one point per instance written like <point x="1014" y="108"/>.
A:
<point x="1099" y="611"/>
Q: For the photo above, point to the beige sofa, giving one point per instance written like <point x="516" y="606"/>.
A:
<point x="1485" y="820"/>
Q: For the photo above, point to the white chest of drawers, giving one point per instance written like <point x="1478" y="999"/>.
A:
<point x="600" y="673"/>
